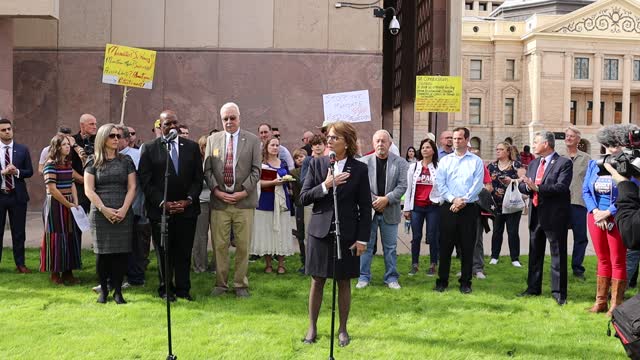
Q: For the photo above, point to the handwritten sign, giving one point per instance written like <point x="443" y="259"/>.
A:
<point x="352" y="106"/>
<point x="438" y="93"/>
<point x="128" y="66"/>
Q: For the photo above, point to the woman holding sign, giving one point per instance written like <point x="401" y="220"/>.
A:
<point x="60" y="249"/>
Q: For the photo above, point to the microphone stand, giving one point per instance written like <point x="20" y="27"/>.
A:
<point x="336" y="254"/>
<point x="164" y="241"/>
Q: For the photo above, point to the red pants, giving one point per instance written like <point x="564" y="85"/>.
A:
<point x="611" y="252"/>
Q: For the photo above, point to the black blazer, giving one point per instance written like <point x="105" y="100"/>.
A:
<point x="554" y="197"/>
<point x="188" y="183"/>
<point x="22" y="160"/>
<point x="354" y="201"/>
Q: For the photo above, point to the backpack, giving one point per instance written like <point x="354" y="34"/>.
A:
<point x="625" y="319"/>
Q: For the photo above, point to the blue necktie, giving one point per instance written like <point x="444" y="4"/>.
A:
<point x="174" y="156"/>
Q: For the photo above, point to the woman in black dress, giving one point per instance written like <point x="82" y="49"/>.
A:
<point x="354" y="208"/>
<point x="110" y="184"/>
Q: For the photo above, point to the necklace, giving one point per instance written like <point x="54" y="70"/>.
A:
<point x="502" y="165"/>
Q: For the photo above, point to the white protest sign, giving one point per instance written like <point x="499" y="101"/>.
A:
<point x="352" y="106"/>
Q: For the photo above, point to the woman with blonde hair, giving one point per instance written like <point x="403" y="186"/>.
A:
<point x="110" y="185"/>
<point x="60" y="249"/>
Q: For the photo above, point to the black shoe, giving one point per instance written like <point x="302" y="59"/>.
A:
<point x="102" y="298"/>
<point x="527" y="293"/>
<point x="465" y="289"/>
<point x="559" y="300"/>
<point x="579" y="276"/>
<point x="187" y="297"/>
<point x="172" y="297"/>
<point x="117" y="297"/>
<point x="440" y="288"/>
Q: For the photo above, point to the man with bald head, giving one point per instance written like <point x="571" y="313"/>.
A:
<point x="306" y="137"/>
<point x="446" y="144"/>
<point x="388" y="181"/>
<point x="233" y="161"/>
<point x="85" y="139"/>
<point x="182" y="205"/>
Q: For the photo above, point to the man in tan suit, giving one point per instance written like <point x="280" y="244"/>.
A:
<point x="232" y="171"/>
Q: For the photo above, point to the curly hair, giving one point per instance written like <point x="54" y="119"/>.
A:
<point x="616" y="135"/>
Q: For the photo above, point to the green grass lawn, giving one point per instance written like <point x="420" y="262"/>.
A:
<point x="39" y="320"/>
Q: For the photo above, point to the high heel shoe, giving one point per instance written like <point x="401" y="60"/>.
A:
<point x="309" y="341"/>
<point x="117" y="297"/>
<point x="55" y="278"/>
<point x="344" y="342"/>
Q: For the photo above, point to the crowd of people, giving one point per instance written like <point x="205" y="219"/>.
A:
<point x="252" y="193"/>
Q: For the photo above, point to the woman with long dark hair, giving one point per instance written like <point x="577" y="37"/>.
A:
<point x="411" y="155"/>
<point x="60" y="249"/>
<point x="422" y="205"/>
<point x="110" y="185"/>
<point x="354" y="207"/>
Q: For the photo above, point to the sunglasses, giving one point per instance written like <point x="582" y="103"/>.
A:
<point x="115" y="136"/>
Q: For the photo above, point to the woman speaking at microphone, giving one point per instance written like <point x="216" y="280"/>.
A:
<point x="354" y="209"/>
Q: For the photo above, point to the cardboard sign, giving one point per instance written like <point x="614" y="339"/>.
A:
<point x="438" y="94"/>
<point x="128" y="66"/>
<point x="352" y="106"/>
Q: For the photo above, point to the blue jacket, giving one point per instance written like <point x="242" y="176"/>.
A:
<point x="589" y="193"/>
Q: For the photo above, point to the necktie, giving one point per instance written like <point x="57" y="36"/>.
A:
<point x="174" y="156"/>
<point x="228" y="164"/>
<point x="538" y="181"/>
<point x="8" y="179"/>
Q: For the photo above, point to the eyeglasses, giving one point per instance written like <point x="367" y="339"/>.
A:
<point x="227" y="118"/>
<point x="333" y="138"/>
<point x="115" y="136"/>
<point x="132" y="133"/>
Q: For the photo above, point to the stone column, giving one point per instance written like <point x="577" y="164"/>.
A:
<point x="536" y="91"/>
<point x="627" y="74"/>
<point x="597" y="80"/>
<point x="6" y="68"/>
<point x="568" y="71"/>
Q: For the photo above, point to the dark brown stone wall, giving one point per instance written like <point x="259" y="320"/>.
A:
<point x="283" y="88"/>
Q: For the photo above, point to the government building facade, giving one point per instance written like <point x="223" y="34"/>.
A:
<point x="528" y="67"/>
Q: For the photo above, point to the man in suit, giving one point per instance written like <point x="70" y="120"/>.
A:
<point x="232" y="170"/>
<point x="548" y="182"/>
<point x="182" y="205"/>
<point x="16" y="166"/>
<point x="388" y="182"/>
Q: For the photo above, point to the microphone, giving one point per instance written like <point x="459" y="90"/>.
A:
<point x="172" y="135"/>
<point x="332" y="157"/>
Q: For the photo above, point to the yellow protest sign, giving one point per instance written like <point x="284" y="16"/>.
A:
<point x="438" y="93"/>
<point x="128" y="66"/>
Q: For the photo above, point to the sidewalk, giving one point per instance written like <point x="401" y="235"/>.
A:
<point x="35" y="228"/>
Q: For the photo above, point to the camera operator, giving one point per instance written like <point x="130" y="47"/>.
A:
<point x="84" y="140"/>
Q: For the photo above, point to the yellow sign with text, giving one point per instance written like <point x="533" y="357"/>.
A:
<point x="128" y="66"/>
<point x="438" y="94"/>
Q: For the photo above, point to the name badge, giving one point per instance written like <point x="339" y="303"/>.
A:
<point x="216" y="152"/>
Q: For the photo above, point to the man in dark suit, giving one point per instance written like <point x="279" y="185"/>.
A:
<point x="547" y="183"/>
<point x="185" y="183"/>
<point x="16" y="166"/>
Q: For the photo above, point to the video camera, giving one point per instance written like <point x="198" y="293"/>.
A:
<point x="627" y="162"/>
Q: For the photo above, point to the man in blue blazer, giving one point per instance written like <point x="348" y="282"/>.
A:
<point x="16" y="166"/>
<point x="547" y="183"/>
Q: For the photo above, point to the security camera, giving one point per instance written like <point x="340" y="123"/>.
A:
<point x="394" y="26"/>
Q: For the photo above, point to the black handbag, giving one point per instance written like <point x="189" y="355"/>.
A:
<point x="625" y="319"/>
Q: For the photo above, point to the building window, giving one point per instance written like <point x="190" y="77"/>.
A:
<point x="610" y="69"/>
<point x="482" y="7"/>
<point x="636" y="70"/>
<point x="590" y="112"/>
<point x="511" y="69"/>
<point x="476" y="70"/>
<point x="573" y="112"/>
<point x="468" y="6"/>
<point x="581" y="68"/>
<point x="508" y="111"/>
<point x="617" y="118"/>
<point x="475" y="106"/>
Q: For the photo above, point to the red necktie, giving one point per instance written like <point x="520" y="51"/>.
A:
<point x="538" y="181"/>
<point x="228" y="164"/>
<point x="8" y="179"/>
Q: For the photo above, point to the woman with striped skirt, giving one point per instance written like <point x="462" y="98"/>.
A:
<point x="60" y="250"/>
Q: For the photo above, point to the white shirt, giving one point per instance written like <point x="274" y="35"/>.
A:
<point x="43" y="155"/>
<point x="134" y="154"/>
<point x="3" y="150"/>
<point x="235" y="148"/>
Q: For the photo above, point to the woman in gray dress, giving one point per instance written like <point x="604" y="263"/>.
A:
<point x="110" y="184"/>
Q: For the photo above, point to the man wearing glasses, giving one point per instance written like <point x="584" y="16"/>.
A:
<point x="232" y="166"/>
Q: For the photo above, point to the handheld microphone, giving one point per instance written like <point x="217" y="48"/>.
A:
<point x="173" y="133"/>
<point x="332" y="157"/>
